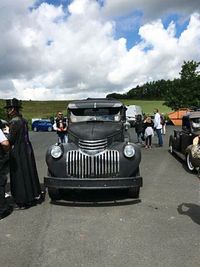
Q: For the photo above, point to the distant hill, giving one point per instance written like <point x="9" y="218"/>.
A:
<point x="39" y="109"/>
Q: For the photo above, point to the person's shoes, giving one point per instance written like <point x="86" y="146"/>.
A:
<point x="23" y="206"/>
<point x="7" y="195"/>
<point x="18" y="207"/>
<point x="160" y="145"/>
<point x="5" y="213"/>
<point x="40" y="198"/>
<point x="146" y="147"/>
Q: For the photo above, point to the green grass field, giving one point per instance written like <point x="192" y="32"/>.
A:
<point x="46" y="109"/>
<point x="148" y="106"/>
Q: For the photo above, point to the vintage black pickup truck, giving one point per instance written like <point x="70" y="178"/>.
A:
<point x="181" y="142"/>
<point x="98" y="154"/>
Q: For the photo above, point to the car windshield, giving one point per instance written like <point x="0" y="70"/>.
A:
<point x="95" y="114"/>
<point x="196" y="123"/>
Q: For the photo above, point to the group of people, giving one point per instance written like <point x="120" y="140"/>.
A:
<point x="17" y="157"/>
<point x="145" y="129"/>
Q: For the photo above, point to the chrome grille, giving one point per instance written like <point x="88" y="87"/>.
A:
<point x="102" y="165"/>
<point x="93" y="145"/>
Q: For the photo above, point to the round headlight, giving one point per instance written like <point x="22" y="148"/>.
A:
<point x="56" y="152"/>
<point x="129" y="151"/>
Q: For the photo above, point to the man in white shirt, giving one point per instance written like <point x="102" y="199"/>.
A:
<point x="158" y="127"/>
<point x="5" y="209"/>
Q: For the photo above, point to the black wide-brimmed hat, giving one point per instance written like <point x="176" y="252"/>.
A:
<point x="14" y="102"/>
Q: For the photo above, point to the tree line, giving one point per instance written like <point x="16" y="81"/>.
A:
<point x="183" y="92"/>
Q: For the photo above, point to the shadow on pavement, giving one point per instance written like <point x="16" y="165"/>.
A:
<point x="95" y="198"/>
<point x="191" y="210"/>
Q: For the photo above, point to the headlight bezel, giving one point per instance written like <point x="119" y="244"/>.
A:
<point x="129" y="150"/>
<point x="56" y="151"/>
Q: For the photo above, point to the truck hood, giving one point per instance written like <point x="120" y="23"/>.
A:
<point x="94" y="130"/>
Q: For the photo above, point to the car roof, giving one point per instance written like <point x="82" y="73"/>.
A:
<point x="192" y="115"/>
<point x="95" y="103"/>
<point x="41" y="120"/>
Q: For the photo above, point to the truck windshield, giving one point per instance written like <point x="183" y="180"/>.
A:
<point x="95" y="114"/>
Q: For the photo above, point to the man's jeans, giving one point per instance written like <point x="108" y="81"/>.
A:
<point x="62" y="137"/>
<point x="159" y="134"/>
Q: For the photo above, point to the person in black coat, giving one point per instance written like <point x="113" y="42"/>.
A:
<point x="24" y="181"/>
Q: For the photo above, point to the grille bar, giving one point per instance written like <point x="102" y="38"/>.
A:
<point x="93" y="145"/>
<point x="103" y="165"/>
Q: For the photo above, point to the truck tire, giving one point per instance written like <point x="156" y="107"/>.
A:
<point x="134" y="192"/>
<point x="190" y="167"/>
<point x="54" y="194"/>
<point x="171" y="150"/>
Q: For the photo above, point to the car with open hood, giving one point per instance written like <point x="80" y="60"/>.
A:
<point x="181" y="142"/>
<point x="99" y="153"/>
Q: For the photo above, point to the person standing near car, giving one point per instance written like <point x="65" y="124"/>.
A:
<point x="195" y="151"/>
<point x="158" y="127"/>
<point x="60" y="126"/>
<point x="148" y="132"/>
<point x="139" y="129"/>
<point x="24" y="181"/>
<point x="5" y="209"/>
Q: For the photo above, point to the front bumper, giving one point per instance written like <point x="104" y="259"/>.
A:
<point x="93" y="183"/>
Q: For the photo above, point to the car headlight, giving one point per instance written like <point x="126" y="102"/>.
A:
<point x="129" y="151"/>
<point x="56" y="152"/>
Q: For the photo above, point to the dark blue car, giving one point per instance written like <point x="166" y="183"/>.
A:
<point x="42" y="125"/>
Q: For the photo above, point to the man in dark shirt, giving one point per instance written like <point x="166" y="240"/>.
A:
<point x="60" y="126"/>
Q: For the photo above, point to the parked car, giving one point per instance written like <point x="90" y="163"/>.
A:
<point x="181" y="141"/>
<point x="42" y="125"/>
<point x="131" y="112"/>
<point x="98" y="155"/>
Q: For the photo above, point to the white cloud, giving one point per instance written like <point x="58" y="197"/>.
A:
<point x="159" y="55"/>
<point x="53" y="53"/>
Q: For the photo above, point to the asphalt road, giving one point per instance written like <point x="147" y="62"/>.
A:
<point x="108" y="229"/>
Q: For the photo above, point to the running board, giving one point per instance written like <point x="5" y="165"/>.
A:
<point x="180" y="155"/>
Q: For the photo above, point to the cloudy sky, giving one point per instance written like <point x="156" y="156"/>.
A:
<point x="70" y="49"/>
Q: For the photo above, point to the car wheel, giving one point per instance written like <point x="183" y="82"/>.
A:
<point x="35" y="129"/>
<point x="54" y="194"/>
<point x="49" y="129"/>
<point x="171" y="150"/>
<point x="189" y="163"/>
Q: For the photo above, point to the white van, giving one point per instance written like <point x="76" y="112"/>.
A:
<point x="131" y="113"/>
